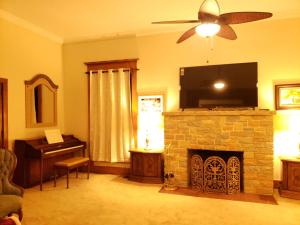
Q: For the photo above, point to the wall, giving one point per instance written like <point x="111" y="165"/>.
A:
<point x="24" y="54"/>
<point x="274" y="44"/>
<point x="75" y="79"/>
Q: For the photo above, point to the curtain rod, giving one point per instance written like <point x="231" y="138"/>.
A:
<point x="106" y="71"/>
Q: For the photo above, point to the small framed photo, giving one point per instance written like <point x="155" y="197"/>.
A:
<point x="287" y="96"/>
<point x="150" y="103"/>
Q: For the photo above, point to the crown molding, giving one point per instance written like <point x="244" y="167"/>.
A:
<point x="29" y="26"/>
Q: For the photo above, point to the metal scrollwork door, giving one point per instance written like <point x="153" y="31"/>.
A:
<point x="197" y="172"/>
<point x="233" y="175"/>
<point x="215" y="175"/>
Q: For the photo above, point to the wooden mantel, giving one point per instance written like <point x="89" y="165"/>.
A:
<point x="221" y="113"/>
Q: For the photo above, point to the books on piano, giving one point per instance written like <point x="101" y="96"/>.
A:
<point x="53" y="136"/>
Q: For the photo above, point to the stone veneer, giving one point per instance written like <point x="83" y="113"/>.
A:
<point x="250" y="131"/>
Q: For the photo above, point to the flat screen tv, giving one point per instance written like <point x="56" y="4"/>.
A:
<point x="213" y="86"/>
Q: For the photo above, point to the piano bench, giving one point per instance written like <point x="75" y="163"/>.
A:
<point x="72" y="163"/>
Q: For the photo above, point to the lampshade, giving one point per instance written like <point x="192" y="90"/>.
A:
<point x="208" y="29"/>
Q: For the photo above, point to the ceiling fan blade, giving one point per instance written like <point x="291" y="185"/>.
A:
<point x="187" y="34"/>
<point x="176" y="21"/>
<point x="243" y="17"/>
<point x="227" y="32"/>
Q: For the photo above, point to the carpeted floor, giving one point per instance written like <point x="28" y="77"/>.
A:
<point x="265" y="199"/>
<point x="112" y="200"/>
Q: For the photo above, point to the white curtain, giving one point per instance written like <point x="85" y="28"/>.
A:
<point x="110" y="115"/>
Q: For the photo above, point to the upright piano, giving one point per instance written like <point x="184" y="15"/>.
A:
<point x="36" y="158"/>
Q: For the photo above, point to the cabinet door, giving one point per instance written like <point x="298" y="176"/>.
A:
<point x="137" y="164"/>
<point x="294" y="176"/>
<point x="151" y="165"/>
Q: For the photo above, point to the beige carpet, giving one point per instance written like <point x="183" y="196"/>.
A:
<point x="266" y="199"/>
<point x="112" y="200"/>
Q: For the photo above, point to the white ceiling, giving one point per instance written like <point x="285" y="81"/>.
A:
<point x="74" y="20"/>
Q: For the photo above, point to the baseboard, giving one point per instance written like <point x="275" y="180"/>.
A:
<point x="276" y="183"/>
<point x="123" y="171"/>
<point x="106" y="169"/>
<point x="289" y="194"/>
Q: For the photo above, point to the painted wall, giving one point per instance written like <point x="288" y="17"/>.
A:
<point x="76" y="81"/>
<point x="24" y="54"/>
<point x="273" y="44"/>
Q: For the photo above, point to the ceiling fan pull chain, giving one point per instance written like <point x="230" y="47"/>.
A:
<point x="211" y="48"/>
<point x="211" y="43"/>
<point x="208" y="49"/>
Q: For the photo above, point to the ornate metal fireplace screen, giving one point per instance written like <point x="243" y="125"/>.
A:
<point x="215" y="175"/>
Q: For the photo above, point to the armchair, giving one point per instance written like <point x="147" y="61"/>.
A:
<point x="10" y="194"/>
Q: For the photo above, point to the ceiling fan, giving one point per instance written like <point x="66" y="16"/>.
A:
<point x="213" y="23"/>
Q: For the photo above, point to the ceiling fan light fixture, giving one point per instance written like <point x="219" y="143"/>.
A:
<point x="211" y="7"/>
<point x="208" y="29"/>
<point x="213" y="23"/>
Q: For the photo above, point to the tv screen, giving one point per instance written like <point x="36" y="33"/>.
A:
<point x="227" y="85"/>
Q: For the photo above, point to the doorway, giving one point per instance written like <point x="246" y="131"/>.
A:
<point x="3" y="114"/>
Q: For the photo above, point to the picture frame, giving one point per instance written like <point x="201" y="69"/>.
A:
<point x="287" y="96"/>
<point x="150" y="103"/>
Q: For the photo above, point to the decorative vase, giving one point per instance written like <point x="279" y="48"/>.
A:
<point x="169" y="183"/>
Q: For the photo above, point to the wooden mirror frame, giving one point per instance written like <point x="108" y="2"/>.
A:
<point x="29" y="101"/>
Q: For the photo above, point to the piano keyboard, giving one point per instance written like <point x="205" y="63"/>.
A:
<point x="63" y="149"/>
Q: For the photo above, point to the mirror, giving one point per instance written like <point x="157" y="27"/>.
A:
<point x="41" y="102"/>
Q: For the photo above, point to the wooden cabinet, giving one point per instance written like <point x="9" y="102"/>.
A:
<point x="290" y="186"/>
<point x="146" y="166"/>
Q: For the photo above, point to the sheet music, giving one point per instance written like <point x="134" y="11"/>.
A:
<point x="53" y="136"/>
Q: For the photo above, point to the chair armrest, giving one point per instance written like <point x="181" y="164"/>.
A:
<point x="12" y="189"/>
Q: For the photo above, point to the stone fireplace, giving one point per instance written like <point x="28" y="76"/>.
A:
<point x="246" y="131"/>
